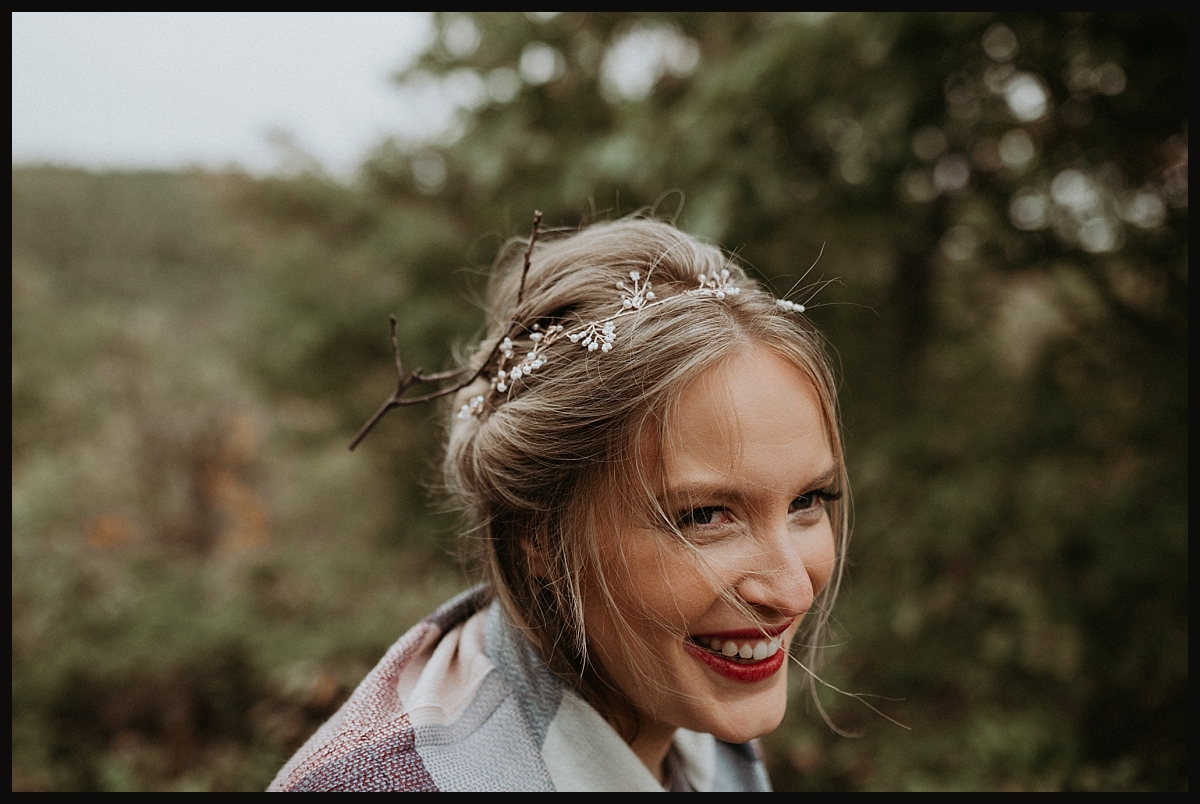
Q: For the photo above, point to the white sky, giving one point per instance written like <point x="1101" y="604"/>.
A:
<point x="172" y="90"/>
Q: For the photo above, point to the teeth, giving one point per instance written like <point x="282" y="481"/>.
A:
<point x="756" y="650"/>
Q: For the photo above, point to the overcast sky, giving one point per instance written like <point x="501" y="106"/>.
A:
<point x="171" y="90"/>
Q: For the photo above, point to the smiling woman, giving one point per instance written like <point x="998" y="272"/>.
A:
<point x="647" y="451"/>
<point x="749" y="470"/>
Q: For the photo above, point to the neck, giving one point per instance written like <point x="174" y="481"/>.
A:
<point x="651" y="745"/>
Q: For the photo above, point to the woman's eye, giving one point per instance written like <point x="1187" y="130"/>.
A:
<point x="708" y="515"/>
<point x="806" y="502"/>
<point x="813" y="501"/>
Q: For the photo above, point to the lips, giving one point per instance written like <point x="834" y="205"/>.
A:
<point x="746" y="656"/>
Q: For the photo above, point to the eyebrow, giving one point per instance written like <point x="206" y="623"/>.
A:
<point x="722" y="491"/>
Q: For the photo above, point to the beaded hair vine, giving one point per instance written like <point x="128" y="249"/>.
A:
<point x="636" y="295"/>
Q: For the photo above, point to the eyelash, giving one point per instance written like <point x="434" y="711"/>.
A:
<point x="822" y="497"/>
<point x="695" y="517"/>
<point x="690" y="519"/>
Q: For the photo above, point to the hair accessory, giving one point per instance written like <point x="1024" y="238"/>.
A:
<point x="601" y="335"/>
<point x="635" y="295"/>
<point x="790" y="306"/>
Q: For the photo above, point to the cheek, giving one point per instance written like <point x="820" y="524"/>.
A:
<point x="684" y="597"/>
<point x="660" y="585"/>
<point x="822" y="558"/>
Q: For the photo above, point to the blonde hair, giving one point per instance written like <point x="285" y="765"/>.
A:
<point x="534" y="472"/>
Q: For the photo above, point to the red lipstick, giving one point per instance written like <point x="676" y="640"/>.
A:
<point x="750" y="633"/>
<point x="737" y="671"/>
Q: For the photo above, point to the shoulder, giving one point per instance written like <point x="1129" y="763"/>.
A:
<point x="462" y="703"/>
<point x="371" y="744"/>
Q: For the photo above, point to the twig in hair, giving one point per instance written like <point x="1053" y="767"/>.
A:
<point x="533" y="236"/>
<point x="403" y="383"/>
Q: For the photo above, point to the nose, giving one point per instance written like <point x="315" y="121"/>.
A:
<point x="786" y="568"/>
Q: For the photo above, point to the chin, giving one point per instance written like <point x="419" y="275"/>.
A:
<point x="744" y="731"/>
<point x="739" y="722"/>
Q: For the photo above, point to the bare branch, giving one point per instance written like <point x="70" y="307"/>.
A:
<point x="533" y="236"/>
<point x="395" y="345"/>
<point x="403" y="383"/>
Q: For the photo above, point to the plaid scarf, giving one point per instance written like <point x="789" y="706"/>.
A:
<point x="463" y="703"/>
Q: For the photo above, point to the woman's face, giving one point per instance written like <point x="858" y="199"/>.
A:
<point x="748" y="472"/>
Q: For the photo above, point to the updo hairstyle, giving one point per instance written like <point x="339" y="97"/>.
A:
<point x="548" y="469"/>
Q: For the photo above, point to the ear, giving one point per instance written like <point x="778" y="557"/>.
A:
<point x="535" y="557"/>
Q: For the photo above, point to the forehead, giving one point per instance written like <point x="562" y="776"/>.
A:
<point x="754" y="421"/>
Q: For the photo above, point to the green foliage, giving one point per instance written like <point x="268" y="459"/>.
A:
<point x="200" y="571"/>
<point x="189" y="352"/>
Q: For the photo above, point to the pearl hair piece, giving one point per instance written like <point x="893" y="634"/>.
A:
<point x="790" y="306"/>
<point x="594" y="336"/>
<point x="636" y="295"/>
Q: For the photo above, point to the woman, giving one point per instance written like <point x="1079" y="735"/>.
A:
<point x="649" y="458"/>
